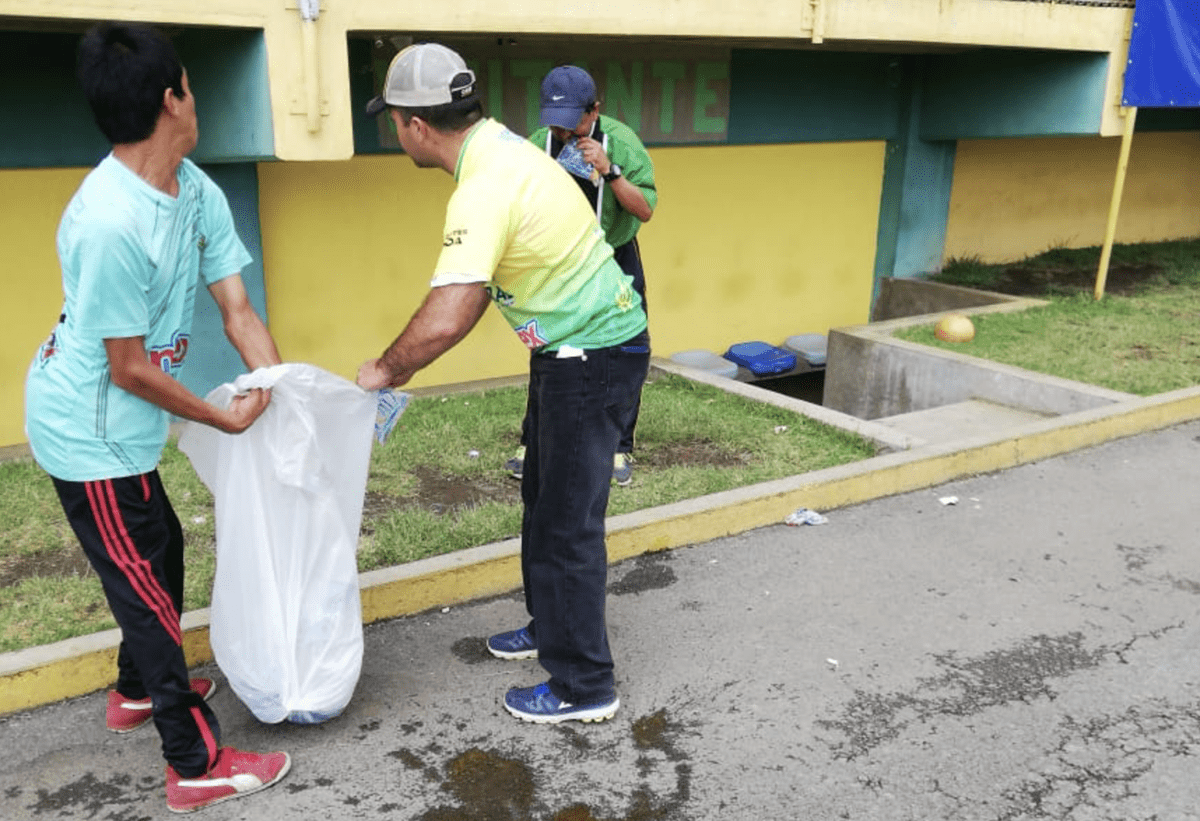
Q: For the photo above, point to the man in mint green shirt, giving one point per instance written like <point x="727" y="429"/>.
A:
<point x="145" y="229"/>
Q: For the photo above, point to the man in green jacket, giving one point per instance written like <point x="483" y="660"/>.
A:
<point x="612" y="169"/>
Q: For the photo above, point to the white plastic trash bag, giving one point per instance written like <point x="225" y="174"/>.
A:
<point x="286" y="621"/>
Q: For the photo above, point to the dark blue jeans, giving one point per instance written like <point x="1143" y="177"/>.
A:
<point x="575" y="409"/>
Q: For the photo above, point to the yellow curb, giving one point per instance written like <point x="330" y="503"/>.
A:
<point x="42" y="675"/>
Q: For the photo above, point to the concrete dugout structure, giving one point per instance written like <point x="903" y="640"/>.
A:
<point x="804" y="153"/>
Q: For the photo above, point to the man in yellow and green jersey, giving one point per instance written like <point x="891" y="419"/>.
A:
<point x="517" y="233"/>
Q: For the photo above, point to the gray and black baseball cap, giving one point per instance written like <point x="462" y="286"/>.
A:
<point x="423" y="75"/>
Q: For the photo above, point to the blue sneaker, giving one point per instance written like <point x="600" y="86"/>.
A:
<point x="623" y="469"/>
<point x="539" y="705"/>
<point x="516" y="465"/>
<point x="513" y="645"/>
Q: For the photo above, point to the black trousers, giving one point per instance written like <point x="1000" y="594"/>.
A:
<point x="133" y="539"/>
<point x="575" y="410"/>
<point x="629" y="257"/>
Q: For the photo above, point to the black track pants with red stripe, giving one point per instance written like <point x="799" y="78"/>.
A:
<point x="132" y="537"/>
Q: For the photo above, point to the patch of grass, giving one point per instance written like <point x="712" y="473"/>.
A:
<point x="692" y="440"/>
<point x="31" y="519"/>
<point x="1143" y="337"/>
<point x="40" y="610"/>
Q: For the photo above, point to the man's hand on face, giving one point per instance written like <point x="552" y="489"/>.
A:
<point x="593" y="152"/>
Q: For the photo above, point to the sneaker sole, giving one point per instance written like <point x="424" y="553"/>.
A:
<point x="591" y="716"/>
<point x="520" y="655"/>
<point x="625" y="483"/>
<point x="287" y="766"/>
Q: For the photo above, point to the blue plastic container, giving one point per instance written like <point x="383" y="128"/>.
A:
<point x="760" y="358"/>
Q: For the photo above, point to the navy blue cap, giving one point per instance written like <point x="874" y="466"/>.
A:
<point x="567" y="92"/>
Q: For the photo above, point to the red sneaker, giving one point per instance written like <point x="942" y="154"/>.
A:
<point x="235" y="774"/>
<point x="124" y="715"/>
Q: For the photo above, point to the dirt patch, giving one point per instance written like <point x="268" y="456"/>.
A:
<point x="54" y="563"/>
<point x="441" y="493"/>
<point x="698" y="453"/>
<point x="1038" y="281"/>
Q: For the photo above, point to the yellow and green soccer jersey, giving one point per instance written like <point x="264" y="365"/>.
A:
<point x="517" y="223"/>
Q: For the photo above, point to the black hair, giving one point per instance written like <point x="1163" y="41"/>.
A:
<point x="464" y="110"/>
<point x="447" y="118"/>
<point x="124" y="68"/>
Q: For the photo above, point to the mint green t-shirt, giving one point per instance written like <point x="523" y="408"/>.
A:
<point x="131" y="258"/>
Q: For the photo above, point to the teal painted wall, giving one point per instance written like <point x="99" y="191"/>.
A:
<point x="46" y="123"/>
<point x="44" y="120"/>
<point x="227" y="70"/>
<point x="783" y="96"/>
<point x="1010" y="93"/>
<point x="917" y="180"/>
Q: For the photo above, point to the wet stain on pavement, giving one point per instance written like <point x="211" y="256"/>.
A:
<point x="1099" y="760"/>
<point x="651" y="571"/>
<point x="488" y="786"/>
<point x="657" y="732"/>
<point x="366" y="729"/>
<point x="408" y="758"/>
<point x="579" y="741"/>
<point x="1185" y="585"/>
<point x="89" y="796"/>
<point x="414" y="762"/>
<point x="471" y="650"/>
<point x="968" y="687"/>
<point x="1136" y="558"/>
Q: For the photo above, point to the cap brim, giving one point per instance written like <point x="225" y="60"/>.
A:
<point x="561" y="117"/>
<point x="375" y="105"/>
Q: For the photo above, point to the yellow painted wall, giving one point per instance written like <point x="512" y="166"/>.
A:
<point x="31" y="202"/>
<point x="757" y="242"/>
<point x="1014" y="198"/>
<point x="760" y="242"/>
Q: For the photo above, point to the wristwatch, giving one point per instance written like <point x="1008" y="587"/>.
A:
<point x="614" y="171"/>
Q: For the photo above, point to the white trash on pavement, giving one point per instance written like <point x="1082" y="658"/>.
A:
<point x="804" y="516"/>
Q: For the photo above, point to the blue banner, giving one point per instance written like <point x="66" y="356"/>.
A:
<point x="1164" y="55"/>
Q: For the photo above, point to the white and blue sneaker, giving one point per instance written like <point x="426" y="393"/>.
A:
<point x="623" y="469"/>
<point x="539" y="705"/>
<point x="516" y="465"/>
<point x="513" y="645"/>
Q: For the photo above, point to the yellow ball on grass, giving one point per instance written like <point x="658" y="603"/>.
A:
<point x="955" y="328"/>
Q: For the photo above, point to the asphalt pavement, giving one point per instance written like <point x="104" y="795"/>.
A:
<point x="1018" y="645"/>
